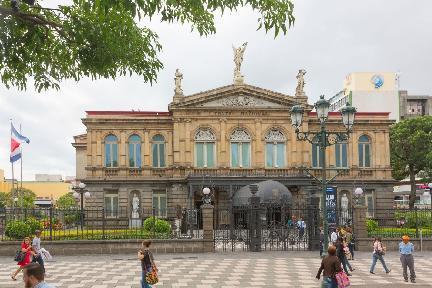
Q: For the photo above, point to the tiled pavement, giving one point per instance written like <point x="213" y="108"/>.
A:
<point x="265" y="269"/>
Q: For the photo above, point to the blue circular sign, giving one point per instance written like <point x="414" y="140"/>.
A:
<point x="377" y="80"/>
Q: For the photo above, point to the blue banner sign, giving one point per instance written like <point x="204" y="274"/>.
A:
<point x="331" y="204"/>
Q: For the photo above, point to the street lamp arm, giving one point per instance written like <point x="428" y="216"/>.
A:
<point x="306" y="136"/>
<point x="311" y="175"/>
<point x="336" y="137"/>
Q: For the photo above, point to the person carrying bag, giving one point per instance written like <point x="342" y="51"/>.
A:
<point x="149" y="269"/>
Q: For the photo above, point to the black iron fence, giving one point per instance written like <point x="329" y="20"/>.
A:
<point x="394" y="223"/>
<point x="99" y="223"/>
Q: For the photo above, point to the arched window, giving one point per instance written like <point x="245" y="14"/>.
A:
<point x="364" y="151"/>
<point x="341" y="155"/>
<point x="158" y="151"/>
<point x="135" y="151"/>
<point x="111" y="151"/>
<point x="240" y="148"/>
<point x="205" y="148"/>
<point x="275" y="149"/>
<point x="316" y="154"/>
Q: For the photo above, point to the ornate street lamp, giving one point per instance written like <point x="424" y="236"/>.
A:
<point x="358" y="192"/>
<point x="79" y="194"/>
<point x="323" y="139"/>
<point x="206" y="196"/>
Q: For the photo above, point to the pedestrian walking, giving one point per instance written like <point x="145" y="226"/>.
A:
<point x="321" y="239"/>
<point x="334" y="236"/>
<point x="350" y="241"/>
<point x="34" y="276"/>
<point x="340" y="253"/>
<point x="26" y="249"/>
<point x="330" y="265"/>
<point x="149" y="269"/>
<point x="301" y="225"/>
<point x="37" y="254"/>
<point x="378" y="254"/>
<point x="406" y="248"/>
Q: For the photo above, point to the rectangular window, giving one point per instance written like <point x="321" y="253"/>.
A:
<point x="111" y="205"/>
<point x="367" y="155"/>
<point x="235" y="155"/>
<point x="280" y="155"/>
<point x="245" y="147"/>
<point x="158" y="154"/>
<point x="160" y="203"/>
<point x="210" y="154"/>
<point x="135" y="155"/>
<point x="316" y="156"/>
<point x="361" y="159"/>
<point x="114" y="155"/>
<point x="269" y="155"/>
<point x="341" y="155"/>
<point x="161" y="154"/>
<point x="111" y="155"/>
<point x="199" y="150"/>
<point x="107" y="155"/>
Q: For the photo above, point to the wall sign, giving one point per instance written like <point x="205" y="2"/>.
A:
<point x="377" y="80"/>
<point x="331" y="204"/>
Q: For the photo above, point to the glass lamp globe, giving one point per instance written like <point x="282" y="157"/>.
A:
<point x="206" y="191"/>
<point x="348" y="115"/>
<point x="87" y="194"/>
<point x="322" y="108"/>
<point x="358" y="191"/>
<point x="76" y="195"/>
<point x="296" y="116"/>
<point x="81" y="185"/>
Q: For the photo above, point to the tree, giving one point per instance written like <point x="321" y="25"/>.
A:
<point x="411" y="150"/>
<point x="26" y="198"/>
<point x="3" y="199"/>
<point x="66" y="201"/>
<point x="103" y="38"/>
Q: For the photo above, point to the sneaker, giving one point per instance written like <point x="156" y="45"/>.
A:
<point x="349" y="274"/>
<point x="406" y="279"/>
<point x="371" y="272"/>
<point x="388" y="271"/>
<point x="413" y="281"/>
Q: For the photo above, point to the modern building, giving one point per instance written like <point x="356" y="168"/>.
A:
<point x="414" y="105"/>
<point x="46" y="191"/>
<point x="224" y="138"/>
<point x="379" y="92"/>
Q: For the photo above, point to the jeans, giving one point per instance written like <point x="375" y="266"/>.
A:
<point x="408" y="261"/>
<point x="38" y="258"/>
<point x="346" y="265"/>
<point x="375" y="258"/>
<point x="329" y="282"/>
<point x="144" y="283"/>
<point x="351" y="249"/>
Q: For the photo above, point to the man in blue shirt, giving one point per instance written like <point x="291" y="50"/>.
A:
<point x="406" y="249"/>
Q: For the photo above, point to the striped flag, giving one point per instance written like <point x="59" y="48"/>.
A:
<point x="16" y="140"/>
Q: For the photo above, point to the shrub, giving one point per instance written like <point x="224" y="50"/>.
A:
<point x="423" y="218"/>
<point x="18" y="230"/>
<point x="34" y="225"/>
<point x="157" y="225"/>
<point x="371" y="225"/>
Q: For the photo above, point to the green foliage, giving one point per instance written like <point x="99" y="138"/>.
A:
<point x="66" y="201"/>
<point x="398" y="232"/>
<point x="98" y="234"/>
<point x="26" y="198"/>
<point x="103" y="39"/>
<point x="371" y="225"/>
<point x="18" y="230"/>
<point x="157" y="225"/>
<point x="34" y="224"/>
<point x="411" y="149"/>
<point x="3" y="199"/>
<point x="423" y="218"/>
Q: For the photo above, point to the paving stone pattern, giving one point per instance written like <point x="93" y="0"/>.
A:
<point x="266" y="269"/>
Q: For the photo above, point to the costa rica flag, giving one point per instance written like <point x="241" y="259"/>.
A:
<point x="16" y="140"/>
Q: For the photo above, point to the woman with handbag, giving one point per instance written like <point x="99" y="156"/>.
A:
<point x="378" y="254"/>
<point x="25" y="257"/>
<point x="330" y="267"/>
<point x="149" y="269"/>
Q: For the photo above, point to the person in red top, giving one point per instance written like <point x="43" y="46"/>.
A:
<point x="27" y="249"/>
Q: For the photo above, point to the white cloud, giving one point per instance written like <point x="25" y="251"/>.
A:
<point x="330" y="39"/>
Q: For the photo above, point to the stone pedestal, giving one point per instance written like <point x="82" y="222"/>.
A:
<point x="135" y="223"/>
<point x="207" y="214"/>
<point x="238" y="80"/>
<point x="359" y="222"/>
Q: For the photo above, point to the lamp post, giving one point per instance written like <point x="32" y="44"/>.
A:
<point x="323" y="138"/>
<point x="206" y="199"/>
<point x="79" y="194"/>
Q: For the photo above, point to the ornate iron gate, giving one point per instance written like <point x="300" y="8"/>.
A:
<point x="266" y="227"/>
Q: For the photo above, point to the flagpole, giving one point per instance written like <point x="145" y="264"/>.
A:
<point x="13" y="178"/>
<point x="21" y="189"/>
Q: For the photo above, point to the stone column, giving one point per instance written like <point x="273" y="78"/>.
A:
<point x="207" y="215"/>
<point x="360" y="228"/>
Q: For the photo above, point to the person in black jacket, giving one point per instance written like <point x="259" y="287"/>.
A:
<point x="330" y="265"/>
<point x="340" y="253"/>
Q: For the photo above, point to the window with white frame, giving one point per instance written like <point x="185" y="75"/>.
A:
<point x="111" y="204"/>
<point x="275" y="149"/>
<point x="341" y="155"/>
<point x="158" y="151"/>
<point x="111" y="151"/>
<point x="316" y="153"/>
<point x="205" y="148"/>
<point x="160" y="203"/>
<point x="240" y="149"/>
<point x="364" y="151"/>
<point x="134" y="151"/>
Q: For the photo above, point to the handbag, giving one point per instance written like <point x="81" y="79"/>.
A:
<point x="19" y="256"/>
<point x="152" y="276"/>
<point x="342" y="280"/>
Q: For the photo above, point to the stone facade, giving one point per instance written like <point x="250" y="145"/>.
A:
<point x="262" y="117"/>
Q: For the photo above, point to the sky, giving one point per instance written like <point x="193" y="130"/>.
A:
<point x="330" y="39"/>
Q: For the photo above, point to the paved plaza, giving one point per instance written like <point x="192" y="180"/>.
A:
<point x="266" y="269"/>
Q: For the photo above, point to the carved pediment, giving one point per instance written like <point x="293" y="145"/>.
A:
<point x="236" y="97"/>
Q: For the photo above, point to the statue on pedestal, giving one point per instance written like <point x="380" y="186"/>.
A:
<point x="300" y="83"/>
<point x="135" y="207"/>
<point x="238" y="59"/>
<point x="178" y="77"/>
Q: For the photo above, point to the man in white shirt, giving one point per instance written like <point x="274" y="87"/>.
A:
<point x="301" y="225"/>
<point x="36" y="245"/>
<point x="334" y="237"/>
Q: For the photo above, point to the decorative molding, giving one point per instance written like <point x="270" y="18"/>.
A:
<point x="275" y="135"/>
<point x="240" y="135"/>
<point x="241" y="101"/>
<point x="204" y="134"/>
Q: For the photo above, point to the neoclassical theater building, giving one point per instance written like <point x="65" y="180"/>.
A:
<point x="224" y="138"/>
